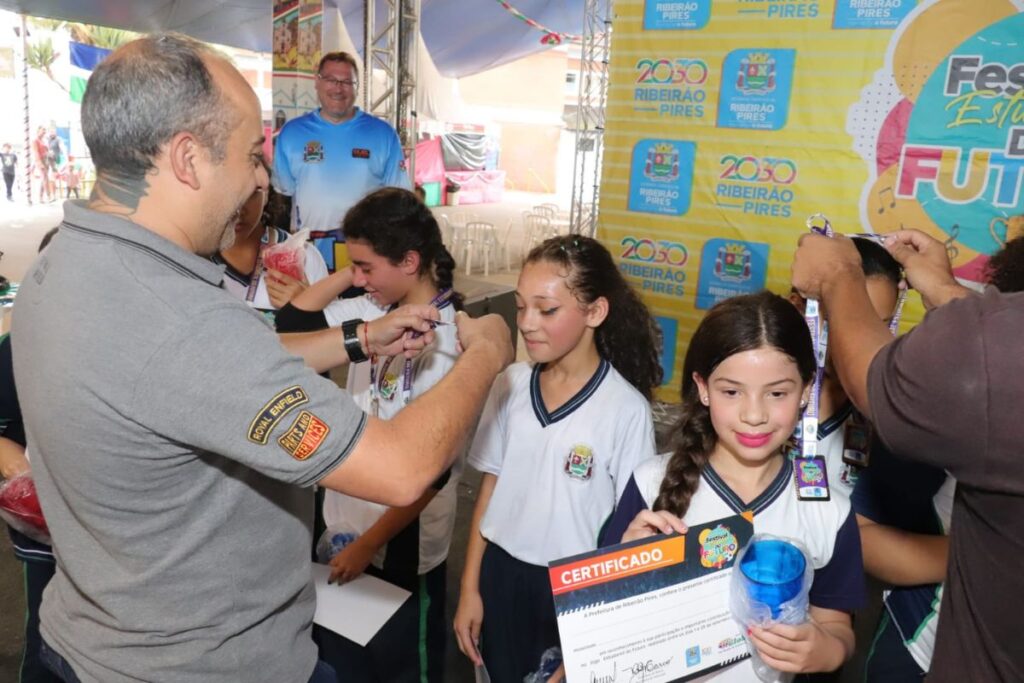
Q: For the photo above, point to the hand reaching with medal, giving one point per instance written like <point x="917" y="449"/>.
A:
<point x="819" y="261"/>
<point x="488" y="333"/>
<point x="405" y="331"/>
<point x="927" y="267"/>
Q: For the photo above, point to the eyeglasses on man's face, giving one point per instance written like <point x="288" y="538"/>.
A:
<point x="335" y="83"/>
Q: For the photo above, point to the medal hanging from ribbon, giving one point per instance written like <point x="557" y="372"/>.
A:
<point x="377" y="386"/>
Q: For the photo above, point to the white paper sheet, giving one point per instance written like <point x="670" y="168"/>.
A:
<point x="357" y="609"/>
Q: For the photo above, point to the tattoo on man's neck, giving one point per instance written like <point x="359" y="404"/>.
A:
<point x="117" y="188"/>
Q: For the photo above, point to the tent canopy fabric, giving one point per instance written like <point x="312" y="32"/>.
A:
<point x="463" y="38"/>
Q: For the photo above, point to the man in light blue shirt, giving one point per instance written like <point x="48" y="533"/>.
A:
<point x="330" y="158"/>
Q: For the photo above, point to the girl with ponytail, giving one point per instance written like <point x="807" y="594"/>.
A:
<point x="556" y="443"/>
<point x="746" y="377"/>
<point x="398" y="258"/>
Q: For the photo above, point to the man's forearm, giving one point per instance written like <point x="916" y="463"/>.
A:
<point x="396" y="460"/>
<point x="942" y="295"/>
<point x="439" y="422"/>
<point x="855" y="334"/>
<point x="321" y="350"/>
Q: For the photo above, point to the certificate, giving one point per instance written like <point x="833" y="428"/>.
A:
<point x="357" y="609"/>
<point x="651" y="610"/>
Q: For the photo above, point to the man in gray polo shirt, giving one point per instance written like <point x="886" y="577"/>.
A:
<point x="174" y="437"/>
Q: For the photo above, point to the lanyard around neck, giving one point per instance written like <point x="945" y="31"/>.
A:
<point x="377" y="385"/>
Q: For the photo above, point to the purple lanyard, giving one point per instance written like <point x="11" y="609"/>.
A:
<point x="818" y="328"/>
<point x="257" y="270"/>
<point x="819" y="341"/>
<point x="376" y="388"/>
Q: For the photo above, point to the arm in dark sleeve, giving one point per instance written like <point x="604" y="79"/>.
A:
<point x="928" y="390"/>
<point x="291" y="319"/>
<point x="630" y="504"/>
<point x="11" y="425"/>
<point x="839" y="585"/>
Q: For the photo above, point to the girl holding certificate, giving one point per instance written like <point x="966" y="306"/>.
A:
<point x="746" y="377"/>
<point x="557" y="442"/>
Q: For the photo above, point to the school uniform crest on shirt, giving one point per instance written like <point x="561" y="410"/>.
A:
<point x="313" y="152"/>
<point x="579" y="464"/>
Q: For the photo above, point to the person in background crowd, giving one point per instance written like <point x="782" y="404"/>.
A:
<point x="329" y="159"/>
<point x="9" y="161"/>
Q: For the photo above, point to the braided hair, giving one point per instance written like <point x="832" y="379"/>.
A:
<point x="394" y="222"/>
<point x="742" y="323"/>
<point x="628" y="338"/>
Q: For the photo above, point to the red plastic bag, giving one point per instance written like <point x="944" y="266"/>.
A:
<point x="19" y="507"/>
<point x="288" y="257"/>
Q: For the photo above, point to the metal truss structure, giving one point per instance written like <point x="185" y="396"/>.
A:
<point x="390" y="43"/>
<point x="590" y="115"/>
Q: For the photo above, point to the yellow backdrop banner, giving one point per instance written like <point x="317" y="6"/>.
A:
<point x="729" y="122"/>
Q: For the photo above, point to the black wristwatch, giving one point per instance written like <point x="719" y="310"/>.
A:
<point x="353" y="347"/>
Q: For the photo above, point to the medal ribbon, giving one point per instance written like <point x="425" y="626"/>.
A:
<point x="257" y="270"/>
<point x="376" y="385"/>
<point x="818" y="328"/>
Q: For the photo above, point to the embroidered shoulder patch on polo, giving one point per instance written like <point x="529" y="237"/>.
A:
<point x="304" y="436"/>
<point x="272" y="413"/>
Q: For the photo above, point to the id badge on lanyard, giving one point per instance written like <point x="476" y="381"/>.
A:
<point x="385" y="387"/>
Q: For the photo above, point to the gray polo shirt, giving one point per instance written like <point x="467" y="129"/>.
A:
<point x="174" y="441"/>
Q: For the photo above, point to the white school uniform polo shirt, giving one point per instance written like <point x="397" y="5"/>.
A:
<point x="238" y="283"/>
<point x="559" y="472"/>
<point x="842" y="476"/>
<point x="826" y="528"/>
<point x="346" y="514"/>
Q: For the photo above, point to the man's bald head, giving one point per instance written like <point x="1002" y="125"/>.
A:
<point x="148" y="91"/>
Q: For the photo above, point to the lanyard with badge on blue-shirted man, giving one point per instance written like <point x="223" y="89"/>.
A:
<point x="808" y="466"/>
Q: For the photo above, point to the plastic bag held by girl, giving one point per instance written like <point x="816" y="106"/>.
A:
<point x="771" y="583"/>
<point x="288" y="257"/>
<point x="19" y="507"/>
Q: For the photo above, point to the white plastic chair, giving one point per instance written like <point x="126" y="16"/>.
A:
<point x="447" y="235"/>
<point x="505" y="247"/>
<point x="536" y="229"/>
<point x="482" y="242"/>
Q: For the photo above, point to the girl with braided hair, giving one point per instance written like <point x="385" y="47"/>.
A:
<point x="746" y="377"/>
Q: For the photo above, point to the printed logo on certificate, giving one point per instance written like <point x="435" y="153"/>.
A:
<point x="651" y="610"/>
